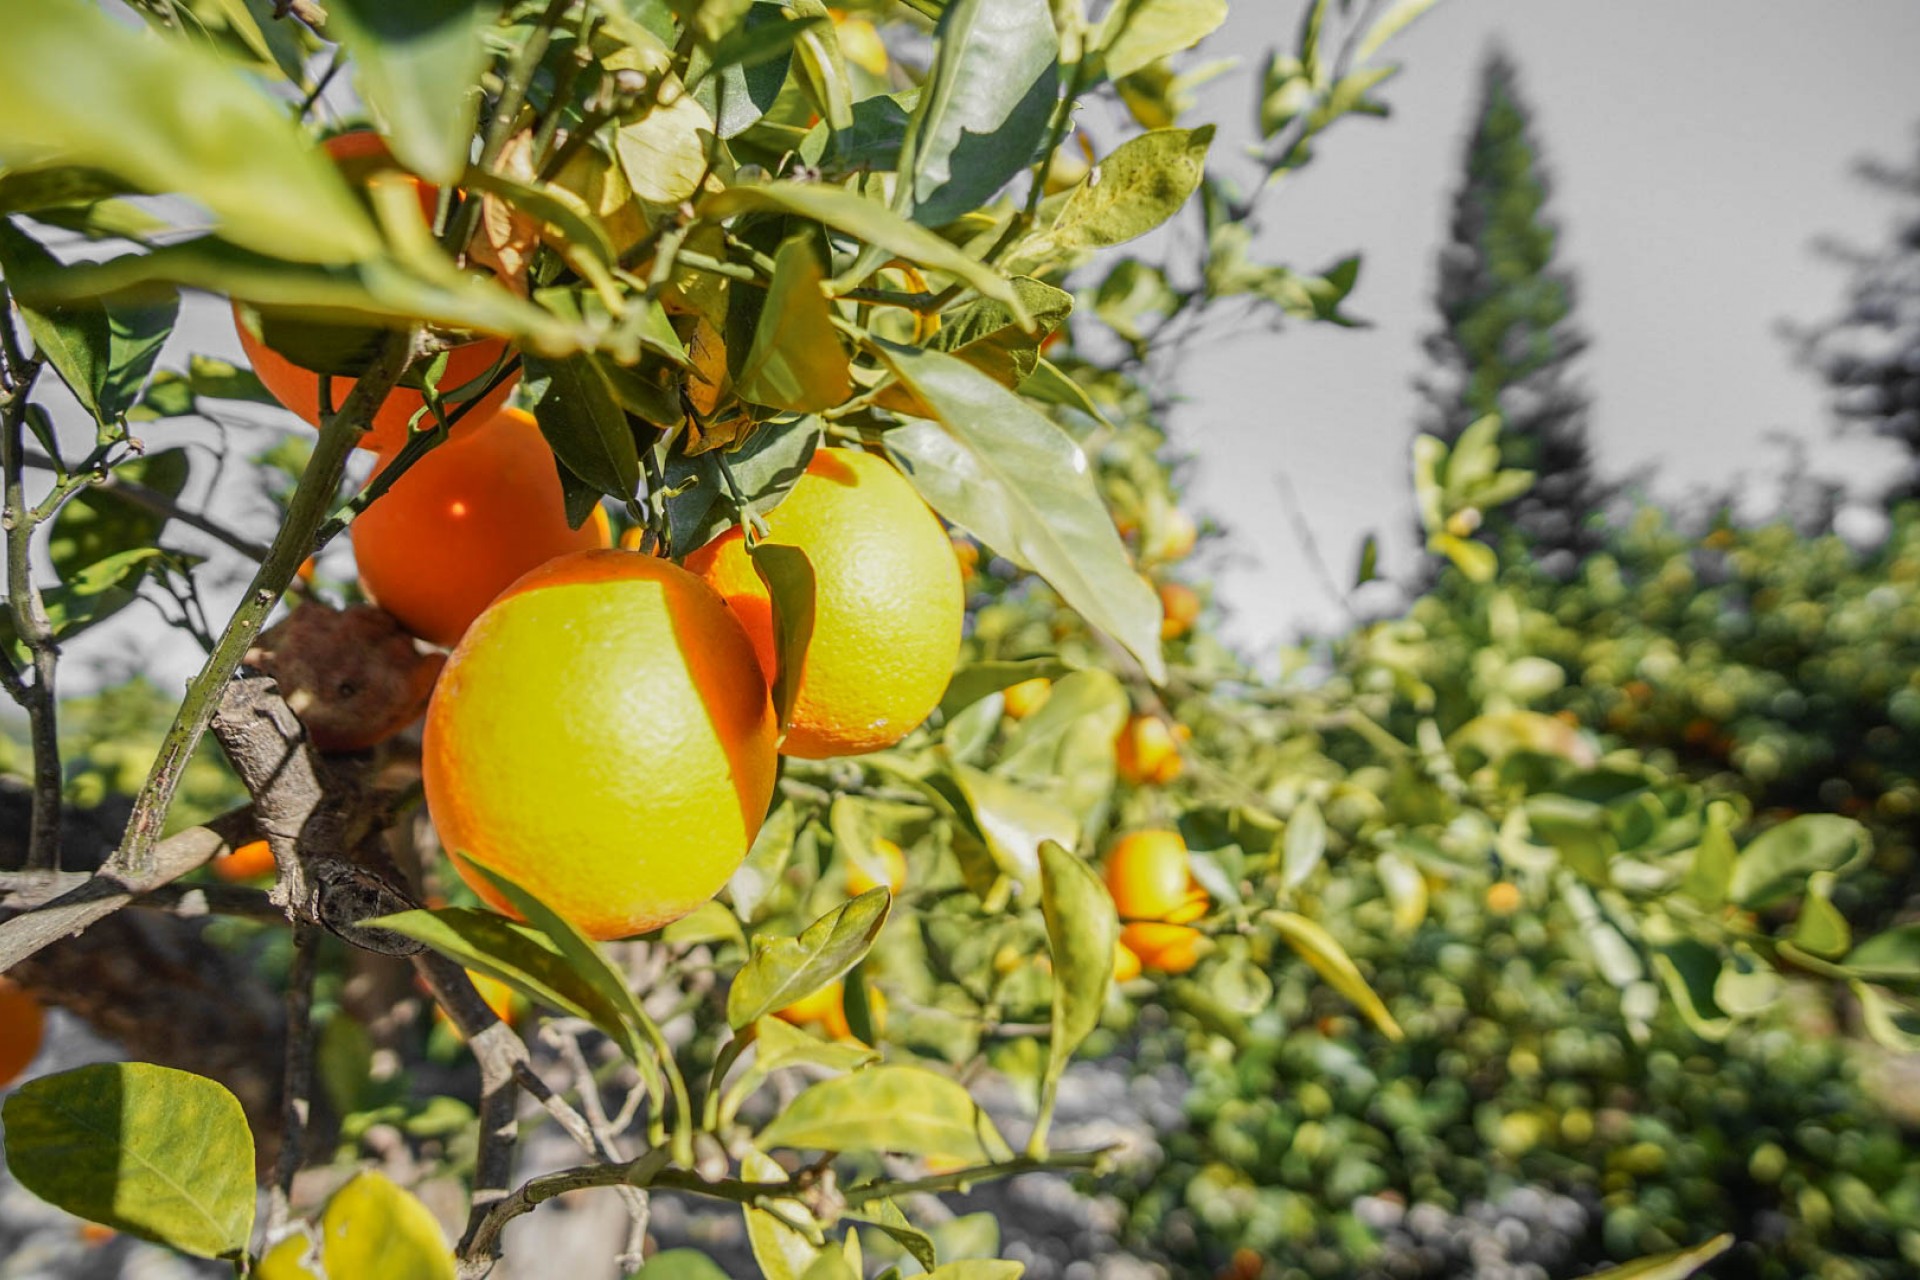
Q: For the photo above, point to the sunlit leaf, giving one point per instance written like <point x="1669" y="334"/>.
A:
<point x="796" y="361"/>
<point x="788" y="577"/>
<point x="1330" y="960"/>
<point x="888" y="1108"/>
<point x="416" y="65"/>
<point x="782" y="970"/>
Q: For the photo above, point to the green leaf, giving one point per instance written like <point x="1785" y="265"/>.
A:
<point x="992" y="464"/>
<point x="76" y="338"/>
<point x="1049" y="384"/>
<point x="759" y="873"/>
<point x="1882" y="1020"/>
<point x="822" y="67"/>
<point x="91" y="594"/>
<point x="778" y="1044"/>
<point x="978" y="1269"/>
<point x="1776" y="863"/>
<point x="1066" y="748"/>
<point x="1388" y="25"/>
<point x="372" y="1228"/>
<point x="889" y="1108"/>
<point x="1369" y="562"/>
<point x="156" y="1153"/>
<point x="1821" y="929"/>
<point x="1690" y="970"/>
<point x="226" y="146"/>
<point x="1138" y="32"/>
<point x="1710" y="871"/>
<point x="136" y="335"/>
<point x="417" y="66"/>
<point x="796" y="361"/>
<point x="986" y="336"/>
<point x="1014" y="820"/>
<point x="984" y="108"/>
<point x="1406" y="890"/>
<point x="782" y="1252"/>
<point x="708" y="922"/>
<point x="1330" y="960"/>
<point x="782" y="970"/>
<point x="753" y="61"/>
<point x="1305" y="847"/>
<point x="680" y="1264"/>
<point x="1144" y="182"/>
<point x="866" y="220"/>
<point x="1674" y="1265"/>
<point x="1082" y="928"/>
<point x="581" y="417"/>
<point x="978" y="679"/>
<point x="519" y="955"/>
<point x="885" y="1216"/>
<point x="98" y="522"/>
<point x="871" y="143"/>
<point x="788" y="577"/>
<point x="1474" y="559"/>
<point x="1894" y="954"/>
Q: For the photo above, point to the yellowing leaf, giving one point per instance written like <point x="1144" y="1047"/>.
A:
<point x="664" y="153"/>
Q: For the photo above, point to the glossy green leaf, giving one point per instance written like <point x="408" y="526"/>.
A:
<point x="416" y="65"/>
<point x="885" y="1216"/>
<point x="1821" y="930"/>
<point x="1049" y="384"/>
<point x="782" y="1252"/>
<point x="821" y="68"/>
<point x="888" y="1108"/>
<point x="1330" y="960"/>
<point x="778" y="1044"/>
<point x="1893" y="954"/>
<point x="759" y="873"/>
<point x="1144" y="182"/>
<point x="1066" y="748"/>
<point x="519" y="955"/>
<point x="708" y="922"/>
<point x="753" y="60"/>
<point x="1082" y="928"/>
<point x="796" y="361"/>
<point x="984" y="108"/>
<point x="782" y="970"/>
<point x="1690" y="971"/>
<point x="1014" y="820"/>
<point x="680" y="1264"/>
<point x="581" y="417"/>
<point x="986" y="336"/>
<point x="74" y="338"/>
<point x="992" y="464"/>
<point x="172" y="394"/>
<point x="1397" y="17"/>
<point x="135" y="336"/>
<point x="1883" y="1019"/>
<point x="1673" y="1265"/>
<point x="866" y="220"/>
<point x="156" y="1153"/>
<point x="1306" y="844"/>
<point x="1776" y="863"/>
<point x="90" y="594"/>
<point x="788" y="577"/>
<point x="978" y="1269"/>
<point x="871" y="143"/>
<point x="226" y="146"/>
<point x="978" y="679"/>
<point x="1138" y="32"/>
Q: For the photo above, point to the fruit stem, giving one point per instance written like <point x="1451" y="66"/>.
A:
<point x="291" y="545"/>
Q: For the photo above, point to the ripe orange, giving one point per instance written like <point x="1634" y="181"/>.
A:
<point x="298" y="388"/>
<point x="1126" y="965"/>
<point x="967" y="553"/>
<point x="463" y="523"/>
<point x="602" y="736"/>
<point x="1149" y="876"/>
<point x="1148" y="752"/>
<point x="1179" y="607"/>
<point x="1174" y="539"/>
<point x="1027" y="697"/>
<point x="22" y="1024"/>
<point x="887" y="603"/>
<point x="827" y="1009"/>
<point x="892" y="863"/>
<point x="249" y="862"/>
<point x="1504" y="897"/>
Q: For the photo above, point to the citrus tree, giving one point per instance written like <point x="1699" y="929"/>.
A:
<point x="891" y="651"/>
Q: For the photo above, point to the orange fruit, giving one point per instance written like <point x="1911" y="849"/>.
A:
<point x="892" y="863"/>
<point x="967" y="553"/>
<point x="602" y="736"/>
<point x="1148" y="873"/>
<point x="463" y="523"/>
<point x="887" y="603"/>
<point x="1179" y="608"/>
<point x="248" y="862"/>
<point x="358" y="154"/>
<point x="1504" y="898"/>
<point x="827" y="1009"/>
<point x="1148" y="752"/>
<point x="22" y="1024"/>
<point x="1174" y="539"/>
<point x="1126" y="965"/>
<point x="1027" y="697"/>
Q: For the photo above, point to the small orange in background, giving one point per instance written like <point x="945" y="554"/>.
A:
<point x="358" y="155"/>
<point x="1175" y="537"/>
<point x="1149" y="874"/>
<point x="1504" y="898"/>
<point x="22" y="1026"/>
<point x="499" y="997"/>
<point x="827" y="1009"/>
<point x="892" y="863"/>
<point x="888" y="603"/>
<point x="1147" y="751"/>
<point x="1180" y="609"/>
<point x="967" y="552"/>
<point x="1027" y="697"/>
<point x="463" y="524"/>
<point x="250" y="861"/>
<point x="1126" y="965"/>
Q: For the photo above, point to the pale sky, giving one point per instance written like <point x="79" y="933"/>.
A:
<point x="1697" y="148"/>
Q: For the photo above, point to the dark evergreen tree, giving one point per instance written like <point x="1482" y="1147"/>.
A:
<point x="1870" y="353"/>
<point x="1507" y="336"/>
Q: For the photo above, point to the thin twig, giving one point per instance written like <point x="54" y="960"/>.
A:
<point x="566" y="1039"/>
<point x="1303" y="532"/>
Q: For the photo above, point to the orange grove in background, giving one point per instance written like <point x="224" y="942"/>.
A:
<point x="602" y="736"/>
<point x="463" y="523"/>
<point x="358" y="154"/>
<point x="1027" y="697"/>
<point x="1180" y="609"/>
<point x="888" y="605"/>
<point x="1147" y="752"/>
<point x="22" y="1025"/>
<point x="248" y="862"/>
